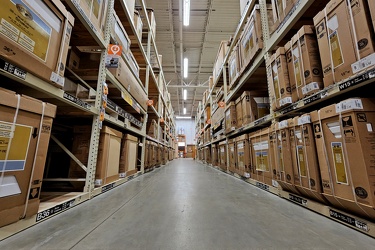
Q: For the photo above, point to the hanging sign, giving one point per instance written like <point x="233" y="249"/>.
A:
<point x="113" y="54"/>
<point x="221" y="104"/>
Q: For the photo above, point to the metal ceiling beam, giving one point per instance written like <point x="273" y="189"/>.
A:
<point x="191" y="87"/>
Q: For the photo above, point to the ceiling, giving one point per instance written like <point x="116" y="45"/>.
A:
<point x="211" y="21"/>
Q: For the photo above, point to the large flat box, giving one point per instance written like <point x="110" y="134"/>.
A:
<point x="251" y="41"/>
<point x="217" y="116"/>
<point x="22" y="157"/>
<point x="230" y="117"/>
<point x="223" y="49"/>
<point x="119" y="34"/>
<point x="129" y="156"/>
<point x="249" y="107"/>
<point x="243" y="156"/>
<point x="215" y="154"/>
<point x="260" y="156"/>
<point x="232" y="160"/>
<point x="124" y="75"/>
<point x="288" y="174"/>
<point x="138" y="24"/>
<point x="36" y="37"/>
<point x="223" y="155"/>
<point x="234" y="66"/>
<point x="273" y="82"/>
<point x="344" y="136"/>
<point x="108" y="161"/>
<point x="304" y="157"/>
<point x="239" y="115"/>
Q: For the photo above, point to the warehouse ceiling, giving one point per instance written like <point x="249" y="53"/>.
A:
<point x="211" y="21"/>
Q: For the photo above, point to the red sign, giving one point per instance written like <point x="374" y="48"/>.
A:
<point x="114" y="50"/>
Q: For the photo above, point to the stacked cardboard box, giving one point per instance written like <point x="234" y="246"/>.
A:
<point x="234" y="66"/>
<point x="346" y="45"/>
<point x="152" y="129"/>
<point x="223" y="49"/>
<point x="138" y="24"/>
<point x="42" y="52"/>
<point x="230" y="117"/>
<point x="253" y="106"/>
<point x="239" y="108"/>
<point x="119" y="34"/>
<point x="223" y="155"/>
<point x="27" y="139"/>
<point x="232" y="161"/>
<point x="281" y="9"/>
<point x="243" y="156"/>
<point x="215" y="154"/>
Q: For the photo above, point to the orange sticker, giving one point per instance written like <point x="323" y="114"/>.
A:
<point x="221" y="104"/>
<point x="114" y="50"/>
<point x="150" y="102"/>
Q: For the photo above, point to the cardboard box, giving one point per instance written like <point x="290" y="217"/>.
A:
<point x="124" y="75"/>
<point x="278" y="9"/>
<point x="289" y="177"/>
<point x="130" y="6"/>
<point x="215" y="154"/>
<point x="73" y="60"/>
<point x="273" y="82"/>
<point x="107" y="165"/>
<point x="22" y="180"/>
<point x="230" y="117"/>
<point x="152" y="130"/>
<point x="305" y="158"/>
<point x="129" y="156"/>
<point x="119" y="34"/>
<point x="249" y="107"/>
<point x="223" y="155"/>
<point x="243" y="156"/>
<point x="234" y="67"/>
<point x="42" y="52"/>
<point x="261" y="164"/>
<point x="138" y="24"/>
<point x="337" y="44"/>
<point x="283" y="77"/>
<point x="276" y="162"/>
<point x="207" y="114"/>
<point x="344" y="137"/>
<point x="217" y="116"/>
<point x="372" y="12"/>
<point x="207" y="154"/>
<point x="239" y="115"/>
<point x="151" y="18"/>
<point x="263" y="106"/>
<point x="251" y="41"/>
<point x="232" y="160"/>
<point x="223" y="49"/>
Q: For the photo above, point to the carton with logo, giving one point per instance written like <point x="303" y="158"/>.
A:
<point x="35" y="36"/>
<point x="234" y="66"/>
<point x="288" y="173"/>
<point x="239" y="113"/>
<point x="129" y="154"/>
<point x="305" y="158"/>
<point x="282" y="76"/>
<point x="232" y="161"/>
<point x="223" y="49"/>
<point x="273" y="82"/>
<point x="260" y="156"/>
<point x="230" y="117"/>
<point x="223" y="155"/>
<point x="25" y="128"/>
<point x="345" y="140"/>
<point x="275" y="153"/>
<point x="243" y="156"/>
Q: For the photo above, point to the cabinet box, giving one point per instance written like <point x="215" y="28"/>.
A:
<point x="215" y="154"/>
<point x="230" y="117"/>
<point x="239" y="115"/>
<point x="260" y="153"/>
<point x="41" y="46"/>
<point x="243" y="156"/>
<point x="22" y="177"/>
<point x="223" y="155"/>
<point x="337" y="43"/>
<point x="249" y="107"/>
<point x="129" y="156"/>
<point x="234" y="67"/>
<point x="251" y="41"/>
<point x="223" y="49"/>
<point x="304" y="157"/>
<point x="344" y="136"/>
<point x="107" y="165"/>
<point x="232" y="161"/>
<point x="282" y="76"/>
<point x="138" y="24"/>
<point x="124" y="75"/>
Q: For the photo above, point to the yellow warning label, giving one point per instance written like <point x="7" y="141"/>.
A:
<point x="276" y="86"/>
<point x="336" y="52"/>
<point x="338" y="161"/>
<point x="22" y="25"/>
<point x="14" y="140"/>
<point x="297" y="73"/>
<point x="301" y="161"/>
<point x="262" y="161"/>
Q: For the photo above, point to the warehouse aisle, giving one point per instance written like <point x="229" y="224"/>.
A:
<point x="186" y="205"/>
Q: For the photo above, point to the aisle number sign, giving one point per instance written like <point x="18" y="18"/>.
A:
<point x="14" y="141"/>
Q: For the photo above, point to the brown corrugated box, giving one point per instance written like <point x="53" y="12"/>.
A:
<point x="223" y="155"/>
<point x="273" y="82"/>
<point x="239" y="115"/>
<point x="26" y="203"/>
<point x="344" y="135"/>
<point x="232" y="161"/>
<point x="305" y="158"/>
<point x="243" y="155"/>
<point x="223" y="49"/>
<point x="283" y="77"/>
<point x="234" y="66"/>
<point x="249" y="107"/>
<point x="129" y="155"/>
<point x="124" y="75"/>
<point x="215" y="154"/>
<point x="230" y="117"/>
<point x="107" y="165"/>
<point x="43" y="51"/>
<point x="372" y="12"/>
<point x="260" y="160"/>
<point x="294" y="69"/>
<point x="138" y="24"/>
<point x="118" y="32"/>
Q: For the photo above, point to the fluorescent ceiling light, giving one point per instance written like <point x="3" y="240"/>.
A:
<point x="186" y="66"/>
<point x="185" y="94"/>
<point x="184" y="111"/>
<point x="183" y="117"/>
<point x="186" y="12"/>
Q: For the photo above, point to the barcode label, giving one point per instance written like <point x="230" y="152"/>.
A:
<point x="283" y="124"/>
<point x="285" y="101"/>
<point x="350" y="104"/>
<point x="304" y="120"/>
<point x="363" y="63"/>
<point x="310" y="87"/>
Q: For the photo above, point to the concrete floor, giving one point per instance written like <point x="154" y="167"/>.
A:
<point x="186" y="205"/>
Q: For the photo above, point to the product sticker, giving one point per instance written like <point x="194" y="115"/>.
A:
<point x="283" y="124"/>
<point x="336" y="53"/>
<point x="339" y="163"/>
<point x="301" y="161"/>
<point x="19" y="136"/>
<point x="297" y="69"/>
<point x="23" y="25"/>
<point x="350" y="104"/>
<point x="369" y="127"/>
<point x="306" y="119"/>
<point x="310" y="87"/>
<point x="364" y="63"/>
<point x="262" y="161"/>
<point x="285" y="101"/>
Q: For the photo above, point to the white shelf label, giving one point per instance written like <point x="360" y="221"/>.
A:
<point x="350" y="104"/>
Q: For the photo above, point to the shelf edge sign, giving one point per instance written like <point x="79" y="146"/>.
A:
<point x="113" y="54"/>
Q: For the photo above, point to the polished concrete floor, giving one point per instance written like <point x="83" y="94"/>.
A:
<point x="186" y="205"/>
